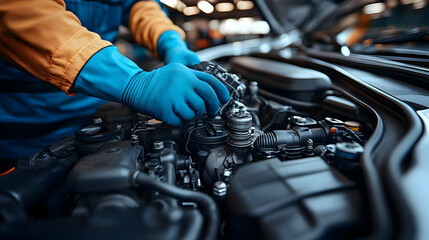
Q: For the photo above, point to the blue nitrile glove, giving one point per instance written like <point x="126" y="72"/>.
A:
<point x="170" y="94"/>
<point x="172" y="49"/>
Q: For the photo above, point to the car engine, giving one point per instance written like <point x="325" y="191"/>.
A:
<point x="281" y="160"/>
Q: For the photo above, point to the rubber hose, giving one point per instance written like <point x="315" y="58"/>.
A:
<point x="255" y="119"/>
<point x="287" y="101"/>
<point x="266" y="140"/>
<point x="291" y="137"/>
<point x="206" y="204"/>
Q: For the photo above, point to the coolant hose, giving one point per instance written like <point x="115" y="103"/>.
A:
<point x="206" y="204"/>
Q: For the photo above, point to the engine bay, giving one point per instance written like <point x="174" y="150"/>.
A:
<point x="281" y="160"/>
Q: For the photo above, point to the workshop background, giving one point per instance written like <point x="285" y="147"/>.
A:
<point x="206" y="23"/>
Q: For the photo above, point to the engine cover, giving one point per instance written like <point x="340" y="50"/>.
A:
<point x="300" y="199"/>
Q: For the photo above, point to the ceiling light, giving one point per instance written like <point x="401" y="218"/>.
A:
<point x="180" y="6"/>
<point x="246" y="19"/>
<point x="245" y="5"/>
<point x="170" y="3"/>
<point x="224" y="7"/>
<point x="406" y="2"/>
<point x="189" y="11"/>
<point x="260" y="27"/>
<point x="205" y="7"/>
<point x="419" y="4"/>
<point x="374" y="8"/>
<point x="345" y="51"/>
<point x="214" y="24"/>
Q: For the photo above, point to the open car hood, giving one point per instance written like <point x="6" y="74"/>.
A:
<point x="287" y="15"/>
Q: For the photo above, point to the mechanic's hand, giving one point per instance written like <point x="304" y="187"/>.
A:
<point x="175" y="92"/>
<point x="170" y="94"/>
<point x="172" y="49"/>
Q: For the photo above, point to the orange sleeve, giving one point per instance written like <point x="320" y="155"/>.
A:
<point x="147" y="22"/>
<point x="46" y="40"/>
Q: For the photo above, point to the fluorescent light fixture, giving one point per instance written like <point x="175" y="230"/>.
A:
<point x="245" y="5"/>
<point x="228" y="26"/>
<point x="205" y="7"/>
<point x="260" y="27"/>
<point x="406" y="2"/>
<point x="243" y="26"/>
<point x="180" y="6"/>
<point x="224" y="7"/>
<point x="246" y="19"/>
<point x="345" y="51"/>
<point x="189" y="11"/>
<point x="170" y="3"/>
<point x="419" y="4"/>
<point x="374" y="8"/>
<point x="214" y="24"/>
<point x="391" y="3"/>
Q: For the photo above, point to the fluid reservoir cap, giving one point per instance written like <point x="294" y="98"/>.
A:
<point x="348" y="150"/>
<point x="352" y="125"/>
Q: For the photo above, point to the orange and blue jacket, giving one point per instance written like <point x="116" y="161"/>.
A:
<point x="51" y="40"/>
<point x="50" y="43"/>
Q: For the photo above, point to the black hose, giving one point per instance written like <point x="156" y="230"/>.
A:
<point x="286" y="100"/>
<point x="206" y="204"/>
<point x="255" y="119"/>
<point x="352" y="133"/>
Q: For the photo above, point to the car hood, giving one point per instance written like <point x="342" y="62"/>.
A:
<point x="304" y="15"/>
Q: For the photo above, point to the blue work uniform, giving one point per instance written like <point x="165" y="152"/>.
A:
<point x="33" y="113"/>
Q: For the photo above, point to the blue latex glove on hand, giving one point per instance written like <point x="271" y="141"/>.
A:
<point x="172" y="49"/>
<point x="170" y="94"/>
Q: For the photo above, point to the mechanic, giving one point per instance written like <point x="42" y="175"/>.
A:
<point x="68" y="45"/>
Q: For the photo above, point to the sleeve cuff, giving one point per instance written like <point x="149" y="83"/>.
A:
<point x="106" y="75"/>
<point x="148" y="22"/>
<point x="168" y="40"/>
<point x="70" y="58"/>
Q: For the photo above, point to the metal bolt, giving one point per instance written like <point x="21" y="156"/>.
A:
<point x="253" y="88"/>
<point x="158" y="145"/>
<point x="134" y="137"/>
<point x="334" y="121"/>
<point x="310" y="145"/>
<point x="299" y="120"/>
<point x="252" y="131"/>
<point x="134" y="140"/>
<point x="219" y="189"/>
<point x="186" y="179"/>
<point x="226" y="175"/>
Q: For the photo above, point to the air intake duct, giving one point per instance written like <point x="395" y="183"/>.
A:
<point x="296" y="137"/>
